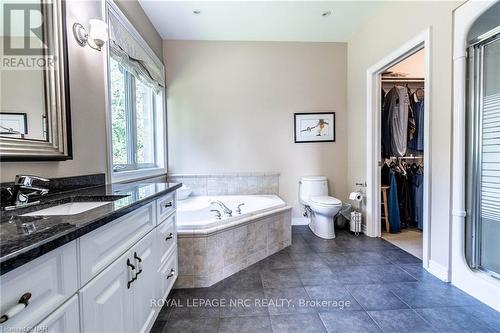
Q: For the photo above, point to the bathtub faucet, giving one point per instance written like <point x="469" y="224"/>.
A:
<point x="225" y="209"/>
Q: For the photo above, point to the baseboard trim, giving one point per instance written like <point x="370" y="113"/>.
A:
<point x="439" y="271"/>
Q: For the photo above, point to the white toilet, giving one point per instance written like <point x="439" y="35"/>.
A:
<point x="321" y="208"/>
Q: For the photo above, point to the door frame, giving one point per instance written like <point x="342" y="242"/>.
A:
<point x="373" y="143"/>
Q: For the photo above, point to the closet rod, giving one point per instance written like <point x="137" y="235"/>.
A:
<point x="406" y="158"/>
<point x="417" y="80"/>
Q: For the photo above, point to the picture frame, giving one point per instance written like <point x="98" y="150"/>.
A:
<point x="13" y="124"/>
<point x="313" y="127"/>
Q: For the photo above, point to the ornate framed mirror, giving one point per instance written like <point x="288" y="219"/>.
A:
<point x="35" y="119"/>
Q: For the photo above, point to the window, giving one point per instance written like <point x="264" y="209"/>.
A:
<point x="136" y="118"/>
<point x="134" y="105"/>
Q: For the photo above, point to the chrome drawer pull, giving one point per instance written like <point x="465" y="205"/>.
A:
<point x="169" y="204"/>
<point x="172" y="273"/>
<point x="170" y="236"/>
<point x="21" y="304"/>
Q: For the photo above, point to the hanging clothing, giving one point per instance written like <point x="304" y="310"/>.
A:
<point x="417" y="142"/>
<point x="404" y="199"/>
<point x="395" y="116"/>
<point x="394" y="219"/>
<point x="385" y="178"/>
<point x="417" y="191"/>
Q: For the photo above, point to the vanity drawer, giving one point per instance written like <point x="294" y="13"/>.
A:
<point x="166" y="234"/>
<point x="50" y="279"/>
<point x="165" y="206"/>
<point x="101" y="247"/>
<point x="168" y="274"/>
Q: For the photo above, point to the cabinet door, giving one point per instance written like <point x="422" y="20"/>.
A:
<point x="145" y="288"/>
<point x="107" y="301"/>
<point x="64" y="320"/>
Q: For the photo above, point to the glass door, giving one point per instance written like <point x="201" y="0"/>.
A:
<point x="483" y="165"/>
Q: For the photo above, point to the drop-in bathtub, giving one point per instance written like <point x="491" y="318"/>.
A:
<point x="211" y="249"/>
<point x="194" y="213"/>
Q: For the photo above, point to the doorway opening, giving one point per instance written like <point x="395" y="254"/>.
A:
<point x="398" y="154"/>
<point x="402" y="152"/>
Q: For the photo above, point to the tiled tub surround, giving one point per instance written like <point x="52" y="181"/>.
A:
<point x="207" y="258"/>
<point x="229" y="183"/>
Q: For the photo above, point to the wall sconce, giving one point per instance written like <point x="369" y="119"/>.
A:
<point x="95" y="38"/>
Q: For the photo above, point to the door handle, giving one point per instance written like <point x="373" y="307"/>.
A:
<point x="139" y="261"/>
<point x="170" y="236"/>
<point x="132" y="268"/>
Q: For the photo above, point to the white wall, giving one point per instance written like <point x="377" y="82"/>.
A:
<point x="389" y="28"/>
<point x="87" y="88"/>
<point x="230" y="109"/>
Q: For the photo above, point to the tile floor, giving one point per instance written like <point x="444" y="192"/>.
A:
<point x="359" y="284"/>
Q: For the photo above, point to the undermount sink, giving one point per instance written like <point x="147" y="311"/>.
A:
<point x="70" y="208"/>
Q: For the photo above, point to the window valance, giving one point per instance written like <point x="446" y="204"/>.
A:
<point x="130" y="49"/>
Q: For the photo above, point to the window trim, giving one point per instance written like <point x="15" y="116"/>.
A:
<point x="160" y="114"/>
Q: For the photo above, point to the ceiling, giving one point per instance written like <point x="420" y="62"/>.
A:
<point x="258" y="20"/>
<point x="411" y="67"/>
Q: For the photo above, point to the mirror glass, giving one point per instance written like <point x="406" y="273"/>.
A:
<point x="34" y="100"/>
<point x="22" y="104"/>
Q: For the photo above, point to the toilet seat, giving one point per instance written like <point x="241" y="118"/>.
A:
<point x="324" y="200"/>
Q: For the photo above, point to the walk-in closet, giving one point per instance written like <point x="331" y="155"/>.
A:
<point x="402" y="153"/>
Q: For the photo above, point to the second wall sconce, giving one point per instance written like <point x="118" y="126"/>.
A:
<point x="95" y="38"/>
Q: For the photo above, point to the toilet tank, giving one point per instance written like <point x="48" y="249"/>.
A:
<point x="310" y="186"/>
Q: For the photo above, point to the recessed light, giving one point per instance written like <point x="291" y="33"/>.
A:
<point x="196" y="12"/>
<point x="327" y="13"/>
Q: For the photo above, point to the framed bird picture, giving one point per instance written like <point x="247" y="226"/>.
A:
<point x="314" y="127"/>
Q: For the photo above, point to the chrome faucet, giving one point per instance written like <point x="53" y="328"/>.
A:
<point x="24" y="182"/>
<point x="225" y="209"/>
<point x="238" y="208"/>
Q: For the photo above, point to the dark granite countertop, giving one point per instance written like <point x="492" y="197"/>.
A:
<point x="25" y="238"/>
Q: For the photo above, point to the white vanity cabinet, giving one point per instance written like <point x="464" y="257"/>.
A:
<point x="108" y="280"/>
<point x="123" y="297"/>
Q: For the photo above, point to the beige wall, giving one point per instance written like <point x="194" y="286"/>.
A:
<point x="87" y="87"/>
<point x="394" y="24"/>
<point x="231" y="105"/>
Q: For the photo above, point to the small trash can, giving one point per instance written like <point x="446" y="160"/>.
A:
<point x="355" y="224"/>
